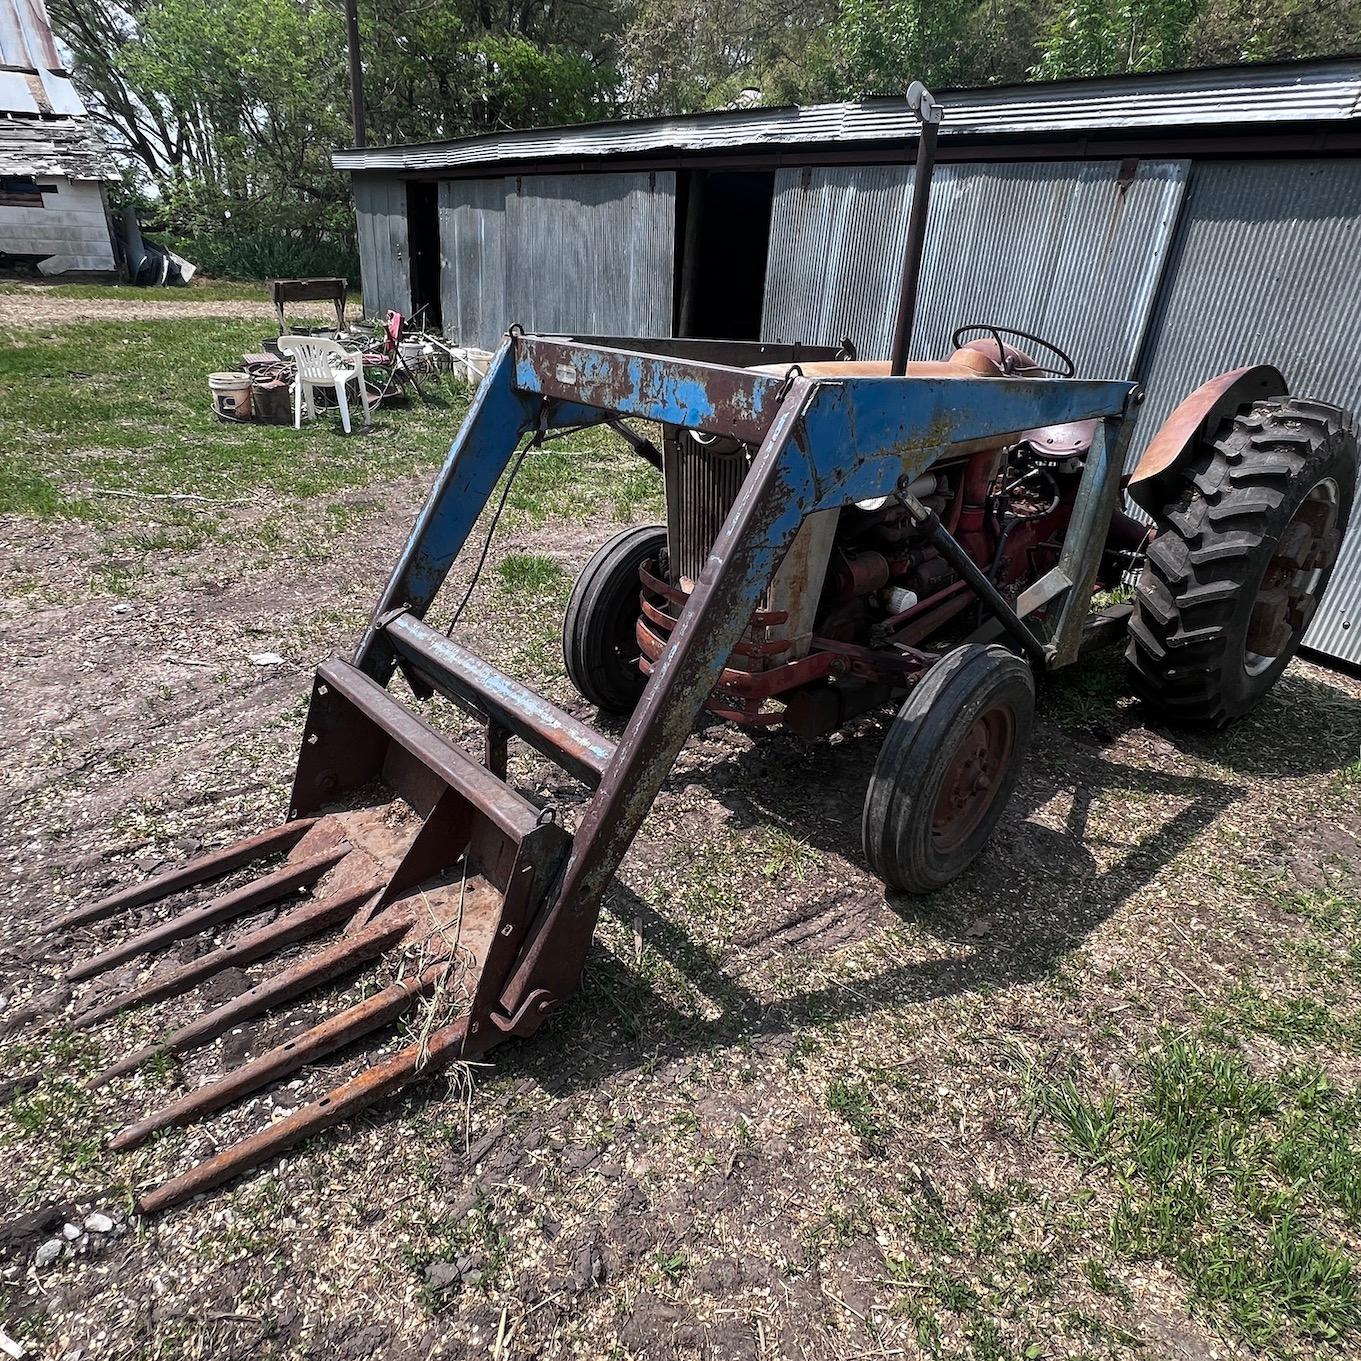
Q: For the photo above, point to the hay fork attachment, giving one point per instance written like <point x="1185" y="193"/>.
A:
<point x="422" y="862"/>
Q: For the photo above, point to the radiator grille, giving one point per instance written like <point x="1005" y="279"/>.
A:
<point x="703" y="482"/>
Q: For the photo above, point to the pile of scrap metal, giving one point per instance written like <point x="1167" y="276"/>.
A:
<point x="145" y="262"/>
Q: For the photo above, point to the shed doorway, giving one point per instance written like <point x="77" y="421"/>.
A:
<point x="423" y="246"/>
<point x="724" y="221"/>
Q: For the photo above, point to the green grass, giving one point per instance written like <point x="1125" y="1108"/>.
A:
<point x="531" y="574"/>
<point x="122" y="407"/>
<point x="110" y="421"/>
<point x="855" y="1103"/>
<point x="1245" y="1182"/>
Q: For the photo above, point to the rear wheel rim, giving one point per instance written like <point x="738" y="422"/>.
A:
<point x="973" y="779"/>
<point x="1289" y="590"/>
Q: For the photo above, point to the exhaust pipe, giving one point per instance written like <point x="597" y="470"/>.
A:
<point x="922" y="103"/>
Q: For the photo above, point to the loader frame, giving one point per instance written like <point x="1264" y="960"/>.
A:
<point x="820" y="443"/>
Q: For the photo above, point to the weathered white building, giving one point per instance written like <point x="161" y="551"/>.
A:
<point x="53" y="164"/>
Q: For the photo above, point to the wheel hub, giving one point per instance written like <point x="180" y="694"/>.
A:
<point x="1289" y="593"/>
<point x="970" y="782"/>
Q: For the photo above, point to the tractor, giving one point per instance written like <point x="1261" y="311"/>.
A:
<point x="841" y="535"/>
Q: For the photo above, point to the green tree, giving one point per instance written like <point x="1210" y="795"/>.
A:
<point x="1102" y="37"/>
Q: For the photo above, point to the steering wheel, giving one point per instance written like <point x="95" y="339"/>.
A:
<point x="1067" y="369"/>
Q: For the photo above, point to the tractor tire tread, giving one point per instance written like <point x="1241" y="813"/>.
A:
<point x="1214" y="539"/>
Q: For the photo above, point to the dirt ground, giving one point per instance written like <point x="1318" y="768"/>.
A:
<point x="787" y="1116"/>
<point x="37" y="305"/>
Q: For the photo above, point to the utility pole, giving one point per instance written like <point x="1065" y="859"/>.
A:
<point x="356" y="71"/>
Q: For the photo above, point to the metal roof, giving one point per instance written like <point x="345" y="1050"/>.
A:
<point x="33" y="79"/>
<point x="1312" y="92"/>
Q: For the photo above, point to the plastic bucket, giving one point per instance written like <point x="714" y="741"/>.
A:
<point x="231" y="395"/>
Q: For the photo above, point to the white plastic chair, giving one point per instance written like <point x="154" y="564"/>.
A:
<point x="324" y="363"/>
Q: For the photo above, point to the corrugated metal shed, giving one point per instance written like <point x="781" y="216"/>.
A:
<point x="473" y="245"/>
<point x="1072" y="250"/>
<point x="1314" y="93"/>
<point x="591" y="253"/>
<point x="1267" y="266"/>
<point x="1169" y="227"/>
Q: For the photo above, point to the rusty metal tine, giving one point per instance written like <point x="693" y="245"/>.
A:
<point x="322" y="1039"/>
<point x="211" y="866"/>
<point x="228" y="905"/>
<point x="340" y="958"/>
<point x="296" y="925"/>
<point x="416" y="1060"/>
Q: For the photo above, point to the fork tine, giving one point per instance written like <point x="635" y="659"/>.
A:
<point x="211" y="866"/>
<point x="322" y="1039"/>
<point x="416" y="1060"/>
<point x="222" y="908"/>
<point x="341" y="958"/>
<point x="301" y="922"/>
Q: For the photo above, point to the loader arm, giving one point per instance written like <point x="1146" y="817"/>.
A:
<point x="822" y="444"/>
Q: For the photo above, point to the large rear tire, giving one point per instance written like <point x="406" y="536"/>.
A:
<point x="1241" y="560"/>
<point x="948" y="767"/>
<point x="599" y="631"/>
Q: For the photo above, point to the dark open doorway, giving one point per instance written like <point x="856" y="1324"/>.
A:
<point x="724" y="227"/>
<point x="422" y="224"/>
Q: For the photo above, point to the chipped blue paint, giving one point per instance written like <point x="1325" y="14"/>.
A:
<point x="864" y="433"/>
<point x="712" y="397"/>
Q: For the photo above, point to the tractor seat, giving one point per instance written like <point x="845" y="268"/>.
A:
<point x="964" y="363"/>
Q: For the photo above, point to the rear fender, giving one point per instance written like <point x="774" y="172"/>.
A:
<point x="1154" y="481"/>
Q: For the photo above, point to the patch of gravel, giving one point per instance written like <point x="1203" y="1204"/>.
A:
<point x="41" y="307"/>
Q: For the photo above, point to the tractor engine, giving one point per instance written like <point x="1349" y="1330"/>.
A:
<point x="861" y="591"/>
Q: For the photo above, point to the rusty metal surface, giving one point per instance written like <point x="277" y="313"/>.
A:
<point x="349" y="1098"/>
<point x="1196" y="416"/>
<point x="439" y="890"/>
<point x="335" y="961"/>
<point x="710" y="397"/>
<point x="367" y="700"/>
<point x="468" y="679"/>
<point x="211" y="866"/>
<point x="307" y="920"/>
<point x="237" y="903"/>
<point x="285" y="1059"/>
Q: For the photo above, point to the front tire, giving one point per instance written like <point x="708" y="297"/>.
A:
<point x="948" y="767"/>
<point x="1241" y="560"/>
<point x="599" y="630"/>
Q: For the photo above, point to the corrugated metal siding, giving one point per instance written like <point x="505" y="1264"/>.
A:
<point x="1070" y="251"/>
<point x="472" y="225"/>
<point x="1267" y="266"/>
<point x="1315" y="92"/>
<point x="384" y="261"/>
<point x="591" y="253"/>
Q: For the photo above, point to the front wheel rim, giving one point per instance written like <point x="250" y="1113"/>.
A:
<point x="1288" y="593"/>
<point x="973" y="779"/>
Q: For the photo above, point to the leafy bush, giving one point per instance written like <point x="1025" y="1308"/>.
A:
<point x="266" y="253"/>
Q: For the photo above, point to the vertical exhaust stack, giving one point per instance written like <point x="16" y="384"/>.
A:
<point x="922" y="103"/>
